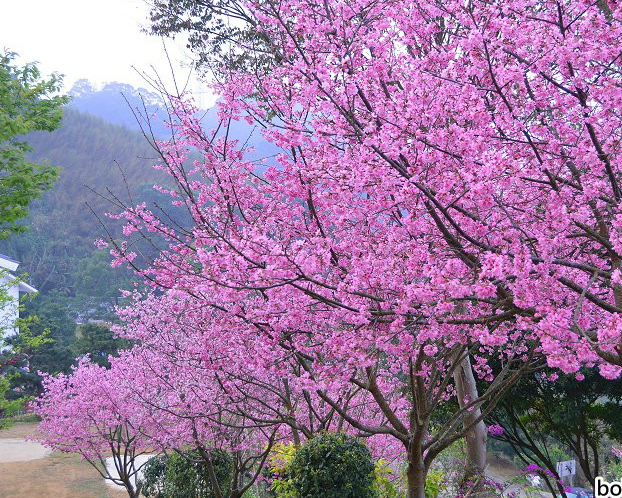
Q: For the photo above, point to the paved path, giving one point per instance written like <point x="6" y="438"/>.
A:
<point x="20" y="450"/>
<point x="112" y="471"/>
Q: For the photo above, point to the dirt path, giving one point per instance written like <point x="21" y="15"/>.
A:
<point x="54" y="476"/>
<point x="506" y="473"/>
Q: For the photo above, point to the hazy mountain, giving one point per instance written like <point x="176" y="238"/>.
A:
<point x="96" y="159"/>
<point x="119" y="103"/>
<point x="100" y="152"/>
<point x="125" y="105"/>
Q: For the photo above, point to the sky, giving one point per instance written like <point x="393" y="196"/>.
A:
<point x="99" y="40"/>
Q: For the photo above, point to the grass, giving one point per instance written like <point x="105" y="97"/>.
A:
<point x="57" y="476"/>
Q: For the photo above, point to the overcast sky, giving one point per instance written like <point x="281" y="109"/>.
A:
<point x="99" y="40"/>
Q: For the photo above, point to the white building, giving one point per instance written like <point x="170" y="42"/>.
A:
<point x="9" y="283"/>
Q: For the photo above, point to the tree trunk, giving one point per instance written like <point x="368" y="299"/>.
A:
<point x="416" y="480"/>
<point x="477" y="436"/>
<point x="131" y="491"/>
<point x="211" y="473"/>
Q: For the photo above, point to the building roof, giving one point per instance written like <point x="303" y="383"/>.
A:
<point x="24" y="287"/>
<point x="8" y="263"/>
<point x="4" y="256"/>
<point x="11" y="265"/>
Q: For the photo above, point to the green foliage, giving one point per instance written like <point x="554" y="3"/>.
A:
<point x="97" y="286"/>
<point x="98" y="341"/>
<point x="14" y="355"/>
<point x="279" y="463"/>
<point x="434" y="483"/>
<point x="613" y="470"/>
<point x="26" y="104"/>
<point x="8" y="407"/>
<point x="185" y="475"/>
<point x="451" y="463"/>
<point x="385" y="483"/>
<point x="52" y="314"/>
<point x="51" y="328"/>
<point x="333" y="466"/>
<point x="384" y="486"/>
<point x="543" y="418"/>
<point x="153" y="477"/>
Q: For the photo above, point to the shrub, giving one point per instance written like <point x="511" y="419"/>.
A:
<point x="333" y="466"/>
<point x="153" y="477"/>
<point x="384" y="486"/>
<point x="279" y="463"/>
<point x="434" y="483"/>
<point x="185" y="475"/>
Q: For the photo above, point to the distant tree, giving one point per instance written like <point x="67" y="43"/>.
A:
<point x="98" y="341"/>
<point x="27" y="103"/>
<point x="14" y="362"/>
<point x="97" y="285"/>
<point x="52" y="312"/>
<point x="543" y="415"/>
<point x="49" y="318"/>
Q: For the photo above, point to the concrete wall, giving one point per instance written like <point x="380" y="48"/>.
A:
<point x="9" y="309"/>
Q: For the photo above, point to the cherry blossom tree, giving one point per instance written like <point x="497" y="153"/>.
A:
<point x="87" y="413"/>
<point x="496" y="122"/>
<point x="384" y="377"/>
<point x="186" y="395"/>
<point x="448" y="193"/>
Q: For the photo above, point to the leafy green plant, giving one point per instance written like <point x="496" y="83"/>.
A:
<point x="27" y="103"/>
<point x="185" y="475"/>
<point x="434" y="483"/>
<point x="7" y="407"/>
<point x="15" y="355"/>
<point x="613" y="469"/>
<point x="384" y="486"/>
<point x="279" y="463"/>
<point x="153" y="477"/>
<point x="333" y="466"/>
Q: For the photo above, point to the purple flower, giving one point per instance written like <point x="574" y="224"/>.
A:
<point x="532" y="468"/>
<point x="495" y="430"/>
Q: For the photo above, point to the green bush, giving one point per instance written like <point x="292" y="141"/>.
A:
<point x="333" y="466"/>
<point x="279" y="463"/>
<point x="434" y="483"/>
<point x="185" y="475"/>
<point x="385" y="485"/>
<point x="153" y="477"/>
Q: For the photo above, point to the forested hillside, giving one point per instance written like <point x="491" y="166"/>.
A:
<point x="101" y="154"/>
<point x="96" y="159"/>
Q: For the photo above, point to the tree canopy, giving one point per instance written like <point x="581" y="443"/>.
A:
<point x="27" y="103"/>
<point x="446" y="200"/>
